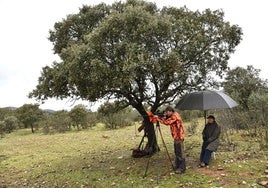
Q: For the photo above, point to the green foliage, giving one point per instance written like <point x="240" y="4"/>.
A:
<point x="2" y="129"/>
<point x="259" y="106"/>
<point x="58" y="122"/>
<point x="189" y="115"/>
<point x="8" y="120"/>
<point x="11" y="123"/>
<point x="192" y="128"/>
<point x="62" y="121"/>
<point x="112" y="117"/>
<point x="136" y="53"/>
<point x="112" y="121"/>
<point x="4" y="112"/>
<point x="251" y="92"/>
<point x="92" y="119"/>
<point x="29" y="114"/>
<point x="244" y="85"/>
<point x="78" y="116"/>
<point x="192" y="117"/>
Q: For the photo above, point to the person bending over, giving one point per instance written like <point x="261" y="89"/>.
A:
<point x="211" y="134"/>
<point x="174" y="121"/>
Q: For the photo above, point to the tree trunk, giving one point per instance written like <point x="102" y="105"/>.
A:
<point x="152" y="145"/>
<point x="32" y="128"/>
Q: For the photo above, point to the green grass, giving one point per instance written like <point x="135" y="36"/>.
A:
<point x="102" y="158"/>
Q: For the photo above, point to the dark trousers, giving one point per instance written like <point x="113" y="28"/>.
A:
<point x="205" y="154"/>
<point x="180" y="155"/>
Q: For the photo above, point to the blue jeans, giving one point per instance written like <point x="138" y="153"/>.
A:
<point x="205" y="154"/>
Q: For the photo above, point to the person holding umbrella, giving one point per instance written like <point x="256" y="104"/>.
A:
<point x="174" y="121"/>
<point x="211" y="134"/>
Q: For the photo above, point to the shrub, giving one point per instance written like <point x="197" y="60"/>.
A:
<point x="188" y="115"/>
<point x="92" y="119"/>
<point x="192" y="128"/>
<point x="11" y="123"/>
<point x="2" y="128"/>
<point x="112" y="121"/>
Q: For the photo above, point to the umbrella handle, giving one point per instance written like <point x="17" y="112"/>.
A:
<point x="205" y="116"/>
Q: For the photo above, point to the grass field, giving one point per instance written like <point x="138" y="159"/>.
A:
<point x="102" y="158"/>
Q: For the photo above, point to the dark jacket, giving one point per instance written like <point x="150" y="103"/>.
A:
<point x="211" y="136"/>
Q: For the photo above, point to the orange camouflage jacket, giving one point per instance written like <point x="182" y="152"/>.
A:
<point x="152" y="118"/>
<point x="176" y="126"/>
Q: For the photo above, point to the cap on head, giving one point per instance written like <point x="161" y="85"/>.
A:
<point x="211" y="117"/>
<point x="169" y="108"/>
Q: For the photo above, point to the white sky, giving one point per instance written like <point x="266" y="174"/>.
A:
<point x="25" y="49"/>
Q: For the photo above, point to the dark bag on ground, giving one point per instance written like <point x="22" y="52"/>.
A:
<point x="138" y="153"/>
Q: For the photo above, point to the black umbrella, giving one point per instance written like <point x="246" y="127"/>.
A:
<point x="206" y="100"/>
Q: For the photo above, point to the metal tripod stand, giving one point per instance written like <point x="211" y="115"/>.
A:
<point x="157" y="129"/>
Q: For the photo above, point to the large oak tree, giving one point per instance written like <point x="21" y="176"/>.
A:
<point x="136" y="53"/>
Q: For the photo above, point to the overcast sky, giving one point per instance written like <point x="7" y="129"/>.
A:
<point x="25" y="49"/>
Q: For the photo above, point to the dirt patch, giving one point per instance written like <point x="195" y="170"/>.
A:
<point x="217" y="175"/>
<point x="194" y="164"/>
<point x="210" y="172"/>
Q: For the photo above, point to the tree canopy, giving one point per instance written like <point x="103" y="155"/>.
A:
<point x="29" y="114"/>
<point x="242" y="83"/>
<point x="136" y="53"/>
<point x="78" y="116"/>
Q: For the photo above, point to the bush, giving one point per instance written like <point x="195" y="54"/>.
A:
<point x="78" y="116"/>
<point x="264" y="140"/>
<point x="113" y="115"/>
<point x="92" y="119"/>
<point x="2" y="128"/>
<point x="46" y="129"/>
<point x="188" y="115"/>
<point x="112" y="121"/>
<point x="122" y="118"/>
<point x="11" y="123"/>
<point x="57" y="122"/>
<point x="192" y="128"/>
<point x="61" y="122"/>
